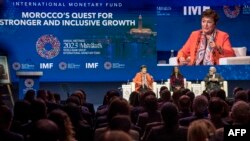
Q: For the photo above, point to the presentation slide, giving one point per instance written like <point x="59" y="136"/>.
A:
<point x="108" y="40"/>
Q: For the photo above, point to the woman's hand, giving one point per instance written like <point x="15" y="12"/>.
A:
<point x="183" y="61"/>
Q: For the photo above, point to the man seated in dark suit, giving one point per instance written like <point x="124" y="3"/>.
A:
<point x="5" y="122"/>
<point x="170" y="130"/>
<point x="213" y="80"/>
<point x="200" y="111"/>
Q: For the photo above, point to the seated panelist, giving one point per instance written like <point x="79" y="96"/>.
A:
<point x="176" y="79"/>
<point x="143" y="80"/>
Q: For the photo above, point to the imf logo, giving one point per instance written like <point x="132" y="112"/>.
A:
<point x="91" y="65"/>
<point x="46" y="65"/>
<point x="194" y="10"/>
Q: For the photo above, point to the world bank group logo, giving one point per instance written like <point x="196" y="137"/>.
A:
<point x="16" y="66"/>
<point x="231" y="12"/>
<point x="29" y="83"/>
<point x="62" y="66"/>
<point x="48" y="46"/>
<point x="107" y="65"/>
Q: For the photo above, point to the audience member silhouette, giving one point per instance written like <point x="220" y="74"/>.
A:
<point x="115" y="136"/>
<point x="62" y="120"/>
<point x="5" y="123"/>
<point x="200" y="106"/>
<point x="44" y="130"/>
<point x="201" y="130"/>
<point x="170" y="130"/>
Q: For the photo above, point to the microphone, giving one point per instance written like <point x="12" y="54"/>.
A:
<point x="128" y="82"/>
<point x="211" y="39"/>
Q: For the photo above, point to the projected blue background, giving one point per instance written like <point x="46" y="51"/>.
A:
<point x="111" y="51"/>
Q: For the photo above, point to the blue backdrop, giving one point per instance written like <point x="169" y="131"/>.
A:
<point x="108" y="40"/>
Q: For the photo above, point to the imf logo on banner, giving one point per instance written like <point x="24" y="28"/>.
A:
<point x="194" y="10"/>
<point x="91" y="65"/>
<point x="48" y="46"/>
<point x="231" y="13"/>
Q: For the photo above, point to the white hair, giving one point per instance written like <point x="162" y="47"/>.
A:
<point x="212" y="68"/>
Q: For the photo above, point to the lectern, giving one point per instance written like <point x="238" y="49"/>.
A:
<point x="28" y="80"/>
<point x="126" y="91"/>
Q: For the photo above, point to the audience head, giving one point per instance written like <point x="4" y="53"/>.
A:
<point x="191" y="95"/>
<point x="115" y="136"/>
<point x="163" y="88"/>
<point x="169" y="114"/>
<point x="38" y="110"/>
<point x="236" y="89"/>
<point x="240" y="112"/>
<point x="165" y="95"/>
<point x="42" y="94"/>
<point x="206" y="94"/>
<point x="184" y="91"/>
<point x="201" y="130"/>
<point x="74" y="112"/>
<point x="216" y="106"/>
<point x="150" y="103"/>
<point x="144" y="95"/>
<point x="184" y="103"/>
<point x="110" y="95"/>
<point x="176" y="95"/>
<point x="200" y="105"/>
<point x="73" y="100"/>
<point x="51" y="97"/>
<point x="241" y="95"/>
<point x="120" y="122"/>
<point x="213" y="93"/>
<point x="134" y="99"/>
<point x="118" y="106"/>
<point x="30" y="95"/>
<point x="44" y="130"/>
<point x="57" y="98"/>
<point x="79" y="95"/>
<point x="84" y="95"/>
<point x="62" y="120"/>
<point x="221" y="94"/>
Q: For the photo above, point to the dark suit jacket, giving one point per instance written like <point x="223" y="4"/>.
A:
<point x="90" y="106"/>
<point x="10" y="136"/>
<point x="187" y="120"/>
<point x="146" y="117"/>
<point x="163" y="133"/>
<point x="213" y="85"/>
